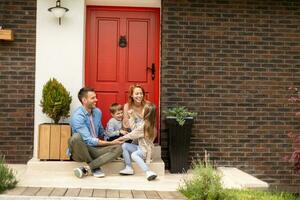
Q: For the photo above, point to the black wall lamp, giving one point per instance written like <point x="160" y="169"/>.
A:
<point x="58" y="11"/>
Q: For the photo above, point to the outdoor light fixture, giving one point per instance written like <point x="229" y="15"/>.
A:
<point x="58" y="11"/>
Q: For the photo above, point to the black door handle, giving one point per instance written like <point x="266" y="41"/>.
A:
<point x="152" y="68"/>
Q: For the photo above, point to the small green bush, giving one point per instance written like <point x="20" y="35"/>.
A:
<point x="7" y="176"/>
<point x="180" y="113"/>
<point x="56" y="100"/>
<point x="205" y="184"/>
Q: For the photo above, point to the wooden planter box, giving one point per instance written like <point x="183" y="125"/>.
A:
<point x="6" y="34"/>
<point x="53" y="141"/>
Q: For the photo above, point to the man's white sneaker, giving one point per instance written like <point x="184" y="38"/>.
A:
<point x="98" y="173"/>
<point x="127" y="171"/>
<point x="80" y="172"/>
<point x="151" y="175"/>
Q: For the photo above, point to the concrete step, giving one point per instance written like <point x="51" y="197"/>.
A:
<point x="112" y="168"/>
<point x="156" y="152"/>
<point x="234" y="178"/>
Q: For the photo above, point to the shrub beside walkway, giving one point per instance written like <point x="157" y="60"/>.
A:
<point x="95" y="193"/>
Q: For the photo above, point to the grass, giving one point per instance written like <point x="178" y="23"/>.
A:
<point x="260" y="195"/>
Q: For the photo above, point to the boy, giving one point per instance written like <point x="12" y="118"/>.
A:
<point x="114" y="125"/>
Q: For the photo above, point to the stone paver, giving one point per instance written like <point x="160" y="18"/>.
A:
<point x="59" y="192"/>
<point x="99" y="193"/>
<point x="86" y="193"/>
<point x="152" y="195"/>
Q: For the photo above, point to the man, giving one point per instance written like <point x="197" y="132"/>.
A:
<point x="85" y="144"/>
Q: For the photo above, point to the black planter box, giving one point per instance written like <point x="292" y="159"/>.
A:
<point x="179" y="144"/>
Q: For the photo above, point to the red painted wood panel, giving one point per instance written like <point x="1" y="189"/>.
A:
<point x="107" y="55"/>
<point x="104" y="99"/>
<point x="138" y="37"/>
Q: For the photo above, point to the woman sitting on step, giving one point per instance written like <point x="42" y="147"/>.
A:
<point x="145" y="133"/>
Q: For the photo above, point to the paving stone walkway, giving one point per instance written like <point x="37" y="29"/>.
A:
<point x="93" y="193"/>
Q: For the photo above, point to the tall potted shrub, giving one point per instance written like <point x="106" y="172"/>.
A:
<point x="179" y="122"/>
<point x="55" y="103"/>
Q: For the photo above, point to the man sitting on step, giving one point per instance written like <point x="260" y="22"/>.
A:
<point x="85" y="144"/>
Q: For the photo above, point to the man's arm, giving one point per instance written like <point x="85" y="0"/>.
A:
<point x="107" y="143"/>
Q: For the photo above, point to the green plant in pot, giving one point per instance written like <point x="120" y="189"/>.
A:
<point x="56" y="100"/>
<point x="179" y="123"/>
<point x="180" y="113"/>
<point x="53" y="138"/>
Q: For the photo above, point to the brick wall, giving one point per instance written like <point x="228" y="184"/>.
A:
<point x="232" y="62"/>
<point x="17" y="68"/>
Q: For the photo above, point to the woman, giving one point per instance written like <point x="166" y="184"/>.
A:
<point x="135" y="105"/>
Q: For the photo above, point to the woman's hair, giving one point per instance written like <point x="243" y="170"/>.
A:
<point x="150" y="121"/>
<point x="130" y="93"/>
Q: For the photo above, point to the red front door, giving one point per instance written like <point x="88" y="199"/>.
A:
<point x="112" y="67"/>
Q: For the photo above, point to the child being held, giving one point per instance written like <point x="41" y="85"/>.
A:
<point x="144" y="133"/>
<point x="114" y="125"/>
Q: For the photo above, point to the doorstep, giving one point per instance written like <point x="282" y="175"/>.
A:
<point x="112" y="168"/>
<point x="40" y="175"/>
<point x="231" y="178"/>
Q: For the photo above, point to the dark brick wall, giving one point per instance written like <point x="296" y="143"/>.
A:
<point x="17" y="74"/>
<point x="232" y="62"/>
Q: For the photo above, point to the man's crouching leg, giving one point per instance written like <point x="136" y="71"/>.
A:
<point x="79" y="153"/>
<point x="105" y="155"/>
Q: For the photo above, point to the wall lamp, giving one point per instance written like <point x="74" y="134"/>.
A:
<point x="58" y="11"/>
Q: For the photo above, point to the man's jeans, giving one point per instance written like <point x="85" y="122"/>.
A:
<point x="136" y="155"/>
<point x="95" y="157"/>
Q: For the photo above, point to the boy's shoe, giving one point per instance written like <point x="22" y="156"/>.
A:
<point x="127" y="171"/>
<point x="151" y="175"/>
<point x="80" y="172"/>
<point x="98" y="173"/>
<point x="119" y="158"/>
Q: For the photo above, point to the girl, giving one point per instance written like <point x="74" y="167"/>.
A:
<point x="145" y="133"/>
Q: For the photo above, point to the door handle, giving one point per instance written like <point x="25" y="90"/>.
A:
<point x="152" y="68"/>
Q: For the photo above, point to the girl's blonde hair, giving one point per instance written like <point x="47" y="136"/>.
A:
<point x="130" y="93"/>
<point x="150" y="121"/>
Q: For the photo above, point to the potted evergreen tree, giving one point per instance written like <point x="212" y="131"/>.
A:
<point x="53" y="137"/>
<point x="179" y="122"/>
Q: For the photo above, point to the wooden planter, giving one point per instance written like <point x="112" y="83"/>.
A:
<point x="6" y="34"/>
<point x="53" y="141"/>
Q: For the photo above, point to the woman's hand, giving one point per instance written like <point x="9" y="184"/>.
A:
<point x="130" y="113"/>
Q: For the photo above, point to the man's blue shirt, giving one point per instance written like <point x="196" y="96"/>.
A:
<point x="80" y="123"/>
